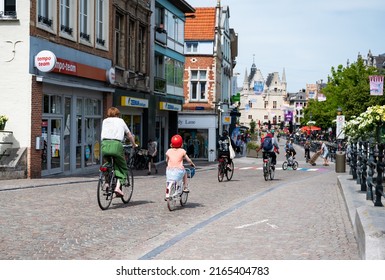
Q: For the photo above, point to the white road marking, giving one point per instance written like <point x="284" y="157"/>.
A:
<point x="253" y="224"/>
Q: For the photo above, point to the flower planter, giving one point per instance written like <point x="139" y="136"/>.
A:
<point x="2" y="126"/>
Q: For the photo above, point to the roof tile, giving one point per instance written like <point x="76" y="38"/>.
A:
<point x="202" y="27"/>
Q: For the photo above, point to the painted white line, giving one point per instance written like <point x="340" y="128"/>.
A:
<point x="273" y="226"/>
<point x="253" y="224"/>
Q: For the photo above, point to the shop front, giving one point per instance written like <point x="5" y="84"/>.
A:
<point x="69" y="96"/>
<point x="199" y="134"/>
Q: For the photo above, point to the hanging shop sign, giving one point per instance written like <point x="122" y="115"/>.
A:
<point x="170" y="106"/>
<point x="45" y="61"/>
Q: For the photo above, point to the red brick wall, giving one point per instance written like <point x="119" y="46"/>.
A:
<point x="34" y="156"/>
<point x="200" y="63"/>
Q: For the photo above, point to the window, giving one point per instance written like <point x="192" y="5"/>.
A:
<point x="46" y="15"/>
<point x="142" y="49"/>
<point x="101" y="23"/>
<point x="274" y="104"/>
<point x="191" y="47"/>
<point x="67" y="19"/>
<point x="84" y="20"/>
<point x="131" y="45"/>
<point x="7" y="9"/>
<point x="198" y="85"/>
<point x="250" y="104"/>
<point x="250" y="117"/>
<point x="119" y="44"/>
<point x="266" y="104"/>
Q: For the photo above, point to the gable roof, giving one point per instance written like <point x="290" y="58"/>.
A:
<point x="202" y="26"/>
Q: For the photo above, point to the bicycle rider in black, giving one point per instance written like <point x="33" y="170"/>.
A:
<point x="223" y="146"/>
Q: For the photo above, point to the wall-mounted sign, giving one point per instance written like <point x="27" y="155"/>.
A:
<point x="134" y="102"/>
<point x="45" y="61"/>
<point x="110" y="73"/>
<point x="170" y="106"/>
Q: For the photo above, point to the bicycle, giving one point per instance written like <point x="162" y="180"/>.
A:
<point x="107" y="183"/>
<point x="175" y="193"/>
<point x="268" y="168"/>
<point x="137" y="158"/>
<point x="223" y="170"/>
<point x="290" y="162"/>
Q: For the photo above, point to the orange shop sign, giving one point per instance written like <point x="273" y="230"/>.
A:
<point x="44" y="60"/>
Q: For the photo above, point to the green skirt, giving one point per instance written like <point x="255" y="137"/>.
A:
<point x="114" y="148"/>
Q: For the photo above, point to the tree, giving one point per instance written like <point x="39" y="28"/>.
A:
<point x="252" y="126"/>
<point x="347" y="88"/>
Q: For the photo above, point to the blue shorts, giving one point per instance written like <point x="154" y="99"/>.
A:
<point x="174" y="174"/>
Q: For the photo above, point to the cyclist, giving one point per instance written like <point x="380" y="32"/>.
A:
<point x="270" y="147"/>
<point x="113" y="131"/>
<point x="289" y="149"/>
<point x="224" y="147"/>
<point x="174" y="157"/>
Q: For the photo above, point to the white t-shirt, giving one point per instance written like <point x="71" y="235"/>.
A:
<point x="114" y="128"/>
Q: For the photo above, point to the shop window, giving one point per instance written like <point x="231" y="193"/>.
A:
<point x="195" y="142"/>
<point x="52" y="104"/>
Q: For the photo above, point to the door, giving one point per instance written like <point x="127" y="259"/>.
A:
<point x="52" y="159"/>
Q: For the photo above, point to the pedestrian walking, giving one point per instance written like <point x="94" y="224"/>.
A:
<point x="152" y="151"/>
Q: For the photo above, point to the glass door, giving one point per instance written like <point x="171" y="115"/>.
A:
<point x="52" y="160"/>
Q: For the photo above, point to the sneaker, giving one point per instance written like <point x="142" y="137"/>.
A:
<point x="186" y="190"/>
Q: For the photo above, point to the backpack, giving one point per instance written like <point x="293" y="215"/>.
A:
<point x="267" y="144"/>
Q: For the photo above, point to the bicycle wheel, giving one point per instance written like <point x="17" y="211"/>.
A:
<point x="284" y="165"/>
<point x="265" y="172"/>
<point x="105" y="193"/>
<point x="295" y="165"/>
<point x="171" y="201"/>
<point x="221" y="171"/>
<point x="128" y="188"/>
<point x="229" y="173"/>
<point x="183" y="198"/>
<point x="272" y="172"/>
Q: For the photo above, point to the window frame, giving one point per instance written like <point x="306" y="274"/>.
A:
<point x="101" y="24"/>
<point x="6" y="15"/>
<point x="86" y="16"/>
<point x="48" y="21"/>
<point x="67" y="12"/>
<point x="198" y="94"/>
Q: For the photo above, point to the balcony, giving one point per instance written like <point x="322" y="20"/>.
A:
<point x="161" y="35"/>
<point x="159" y="85"/>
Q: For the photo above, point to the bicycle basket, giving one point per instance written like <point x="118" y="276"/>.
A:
<point x="190" y="172"/>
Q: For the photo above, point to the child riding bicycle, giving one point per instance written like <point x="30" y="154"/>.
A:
<point x="174" y="157"/>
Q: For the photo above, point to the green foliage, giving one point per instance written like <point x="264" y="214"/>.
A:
<point x="252" y="145"/>
<point x="348" y="88"/>
<point x="253" y="124"/>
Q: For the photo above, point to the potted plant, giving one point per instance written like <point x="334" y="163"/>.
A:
<point x="251" y="148"/>
<point x="3" y="121"/>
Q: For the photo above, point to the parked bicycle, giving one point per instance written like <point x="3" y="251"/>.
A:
<point x="107" y="183"/>
<point x="137" y="158"/>
<point x="268" y="168"/>
<point x="290" y="162"/>
<point x="225" y="169"/>
<point x="175" y="193"/>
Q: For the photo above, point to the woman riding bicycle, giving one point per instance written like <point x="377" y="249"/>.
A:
<point x="224" y="147"/>
<point x="174" y="157"/>
<point x="113" y="130"/>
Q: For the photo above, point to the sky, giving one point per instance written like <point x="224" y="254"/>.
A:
<point x="305" y="37"/>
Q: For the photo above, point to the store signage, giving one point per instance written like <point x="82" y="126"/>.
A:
<point x="45" y="61"/>
<point x="134" y="102"/>
<point x="110" y="73"/>
<point x="226" y="119"/>
<point x="170" y="106"/>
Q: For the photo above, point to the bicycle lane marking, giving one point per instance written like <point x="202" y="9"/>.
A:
<point x="168" y="244"/>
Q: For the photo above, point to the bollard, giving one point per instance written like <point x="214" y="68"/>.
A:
<point x="340" y="162"/>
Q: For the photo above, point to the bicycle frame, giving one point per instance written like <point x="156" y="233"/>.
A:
<point x="174" y="191"/>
